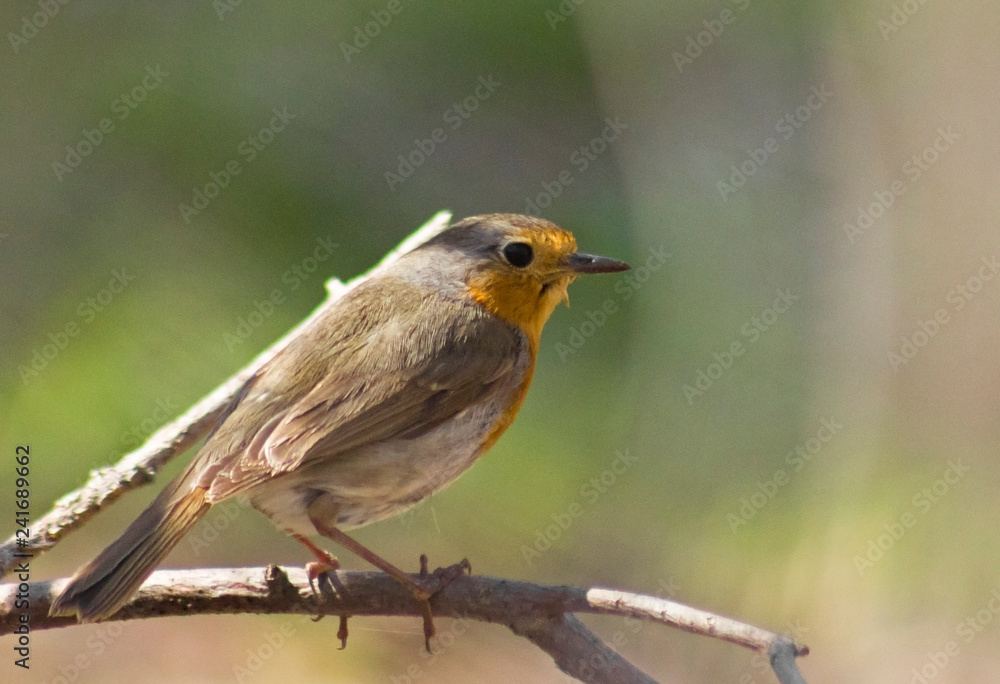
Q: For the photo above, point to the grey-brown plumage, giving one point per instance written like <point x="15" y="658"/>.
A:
<point x="101" y="587"/>
<point x="387" y="397"/>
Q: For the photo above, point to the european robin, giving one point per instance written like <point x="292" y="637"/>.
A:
<point x="386" y="398"/>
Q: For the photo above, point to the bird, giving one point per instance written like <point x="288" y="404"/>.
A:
<point x="384" y="399"/>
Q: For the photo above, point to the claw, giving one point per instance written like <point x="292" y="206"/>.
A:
<point x="429" y="630"/>
<point x="315" y="570"/>
<point x="342" y="632"/>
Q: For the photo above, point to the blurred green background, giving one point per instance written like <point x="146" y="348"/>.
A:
<point x="822" y="176"/>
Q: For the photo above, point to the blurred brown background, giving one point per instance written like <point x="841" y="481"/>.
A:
<point x="806" y="387"/>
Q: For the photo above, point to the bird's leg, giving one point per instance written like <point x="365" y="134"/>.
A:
<point x="324" y="562"/>
<point x="323" y="513"/>
<point x="422" y="590"/>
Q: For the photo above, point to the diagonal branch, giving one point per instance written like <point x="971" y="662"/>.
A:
<point x="577" y="651"/>
<point x="139" y="467"/>
<point x="542" y="614"/>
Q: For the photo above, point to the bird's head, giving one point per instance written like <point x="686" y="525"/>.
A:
<point x="517" y="267"/>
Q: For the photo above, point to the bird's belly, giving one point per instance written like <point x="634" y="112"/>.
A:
<point x="381" y="480"/>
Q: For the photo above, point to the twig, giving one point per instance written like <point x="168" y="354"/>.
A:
<point x="540" y="613"/>
<point x="139" y="467"/>
<point x="686" y="618"/>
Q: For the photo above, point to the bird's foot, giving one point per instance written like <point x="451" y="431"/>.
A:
<point x="325" y="562"/>
<point x="428" y="584"/>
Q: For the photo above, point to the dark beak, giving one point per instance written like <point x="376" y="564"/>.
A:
<point x="590" y="263"/>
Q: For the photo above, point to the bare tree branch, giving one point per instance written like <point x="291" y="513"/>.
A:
<point x="542" y="614"/>
<point x="139" y="467"/>
<point x="577" y="651"/>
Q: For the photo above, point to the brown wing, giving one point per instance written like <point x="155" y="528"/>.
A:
<point x="390" y="374"/>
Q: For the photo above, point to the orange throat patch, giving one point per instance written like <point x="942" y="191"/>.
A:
<point x="526" y="304"/>
<point x="522" y="302"/>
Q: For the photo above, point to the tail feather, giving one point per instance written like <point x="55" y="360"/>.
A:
<point x="104" y="585"/>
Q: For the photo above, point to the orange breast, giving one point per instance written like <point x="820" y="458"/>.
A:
<point x="507" y="417"/>
<point x="522" y="302"/>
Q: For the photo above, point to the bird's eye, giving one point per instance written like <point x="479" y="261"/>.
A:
<point x="518" y="254"/>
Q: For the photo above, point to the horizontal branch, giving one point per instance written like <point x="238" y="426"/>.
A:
<point x="540" y="613"/>
<point x="137" y="468"/>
